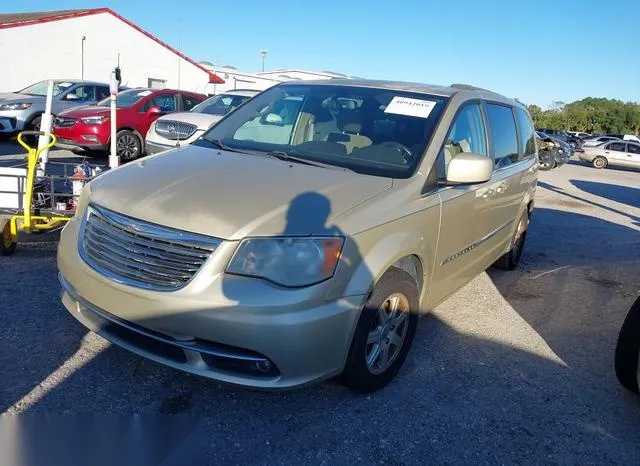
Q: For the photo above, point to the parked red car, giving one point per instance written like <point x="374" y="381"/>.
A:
<point x="89" y="128"/>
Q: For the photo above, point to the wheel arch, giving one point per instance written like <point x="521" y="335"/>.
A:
<point x="33" y="116"/>
<point x="411" y="255"/>
<point x="134" y="131"/>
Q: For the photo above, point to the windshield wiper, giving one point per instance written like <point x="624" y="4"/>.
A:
<point x="221" y="145"/>
<point x="282" y="155"/>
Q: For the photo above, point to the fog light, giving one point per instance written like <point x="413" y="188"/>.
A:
<point x="90" y="138"/>
<point x="263" y="366"/>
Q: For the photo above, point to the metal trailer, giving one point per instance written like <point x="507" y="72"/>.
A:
<point x="31" y="199"/>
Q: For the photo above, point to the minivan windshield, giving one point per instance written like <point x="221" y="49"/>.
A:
<point x="220" y="104"/>
<point x="127" y="99"/>
<point x="40" y="89"/>
<point x="374" y="131"/>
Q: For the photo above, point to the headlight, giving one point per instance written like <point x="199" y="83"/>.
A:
<point x="97" y="120"/>
<point x="18" y="106"/>
<point x="291" y="262"/>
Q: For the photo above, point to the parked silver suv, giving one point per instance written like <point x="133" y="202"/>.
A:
<point x="22" y="110"/>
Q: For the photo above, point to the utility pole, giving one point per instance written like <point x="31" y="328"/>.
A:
<point x="82" y="56"/>
<point x="263" y="54"/>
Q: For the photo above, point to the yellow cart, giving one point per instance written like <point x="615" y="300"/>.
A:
<point x="21" y="211"/>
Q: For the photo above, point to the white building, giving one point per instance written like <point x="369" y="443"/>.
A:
<point x="86" y="44"/>
<point x="235" y="79"/>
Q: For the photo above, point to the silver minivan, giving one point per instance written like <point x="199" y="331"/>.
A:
<point x="302" y="235"/>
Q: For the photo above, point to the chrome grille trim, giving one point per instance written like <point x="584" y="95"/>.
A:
<point x="175" y="130"/>
<point x="141" y="254"/>
<point x="65" y="122"/>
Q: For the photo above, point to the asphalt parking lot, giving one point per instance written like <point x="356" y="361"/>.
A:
<point x="517" y="367"/>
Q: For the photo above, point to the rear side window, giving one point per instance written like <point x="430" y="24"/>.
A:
<point x="189" y="101"/>
<point x="617" y="146"/>
<point x="102" y="92"/>
<point x="502" y="128"/>
<point x="527" y="134"/>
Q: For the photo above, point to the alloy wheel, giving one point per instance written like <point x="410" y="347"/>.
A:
<point x="388" y="333"/>
<point x="127" y="147"/>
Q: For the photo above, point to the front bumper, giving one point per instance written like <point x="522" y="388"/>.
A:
<point x="12" y="122"/>
<point x="153" y="148"/>
<point x="220" y="327"/>
<point x="155" y="143"/>
<point x="81" y="136"/>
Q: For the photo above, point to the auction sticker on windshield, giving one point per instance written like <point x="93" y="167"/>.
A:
<point x="410" y="107"/>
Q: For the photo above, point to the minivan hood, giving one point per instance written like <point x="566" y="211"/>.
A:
<point x="201" y="120"/>
<point x="12" y="97"/>
<point x="230" y="195"/>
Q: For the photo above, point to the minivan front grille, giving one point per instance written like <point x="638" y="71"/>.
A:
<point x="65" y="122"/>
<point x="139" y="253"/>
<point x="175" y="130"/>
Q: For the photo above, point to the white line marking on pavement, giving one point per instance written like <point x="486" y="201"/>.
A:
<point x="548" y="272"/>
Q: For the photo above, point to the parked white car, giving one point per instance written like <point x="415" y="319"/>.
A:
<point x="616" y="153"/>
<point x="179" y="129"/>
<point x="597" y="140"/>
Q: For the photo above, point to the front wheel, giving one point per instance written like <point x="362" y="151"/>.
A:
<point x="384" y="333"/>
<point x="628" y="350"/>
<point x="128" y="145"/>
<point x="546" y="160"/>
<point x="7" y="245"/>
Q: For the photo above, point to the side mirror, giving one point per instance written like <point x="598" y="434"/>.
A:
<point x="467" y="168"/>
<point x="154" y="110"/>
<point x="72" y="96"/>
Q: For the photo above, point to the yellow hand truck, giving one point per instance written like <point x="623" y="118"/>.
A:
<point x="19" y="208"/>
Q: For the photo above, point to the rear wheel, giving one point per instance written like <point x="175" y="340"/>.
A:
<point x="628" y="350"/>
<point x="7" y="245"/>
<point x="600" y="162"/>
<point x="384" y="333"/>
<point x="511" y="259"/>
<point x="128" y="145"/>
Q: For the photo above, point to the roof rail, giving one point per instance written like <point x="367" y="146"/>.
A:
<point x="468" y="86"/>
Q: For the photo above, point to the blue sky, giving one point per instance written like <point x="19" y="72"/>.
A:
<point x="539" y="51"/>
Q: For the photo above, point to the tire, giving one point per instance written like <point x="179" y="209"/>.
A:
<point x="628" y="350"/>
<point x="546" y="162"/>
<point x="7" y="245"/>
<point x="128" y="145"/>
<point x="33" y="125"/>
<point x="511" y="259"/>
<point x="397" y="289"/>
<point x="600" y="162"/>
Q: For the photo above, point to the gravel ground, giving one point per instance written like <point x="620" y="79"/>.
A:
<point x="517" y="367"/>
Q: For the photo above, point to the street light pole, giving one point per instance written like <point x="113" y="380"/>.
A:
<point x="263" y="53"/>
<point x="82" y="57"/>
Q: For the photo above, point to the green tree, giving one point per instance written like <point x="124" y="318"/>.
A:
<point x="593" y="115"/>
